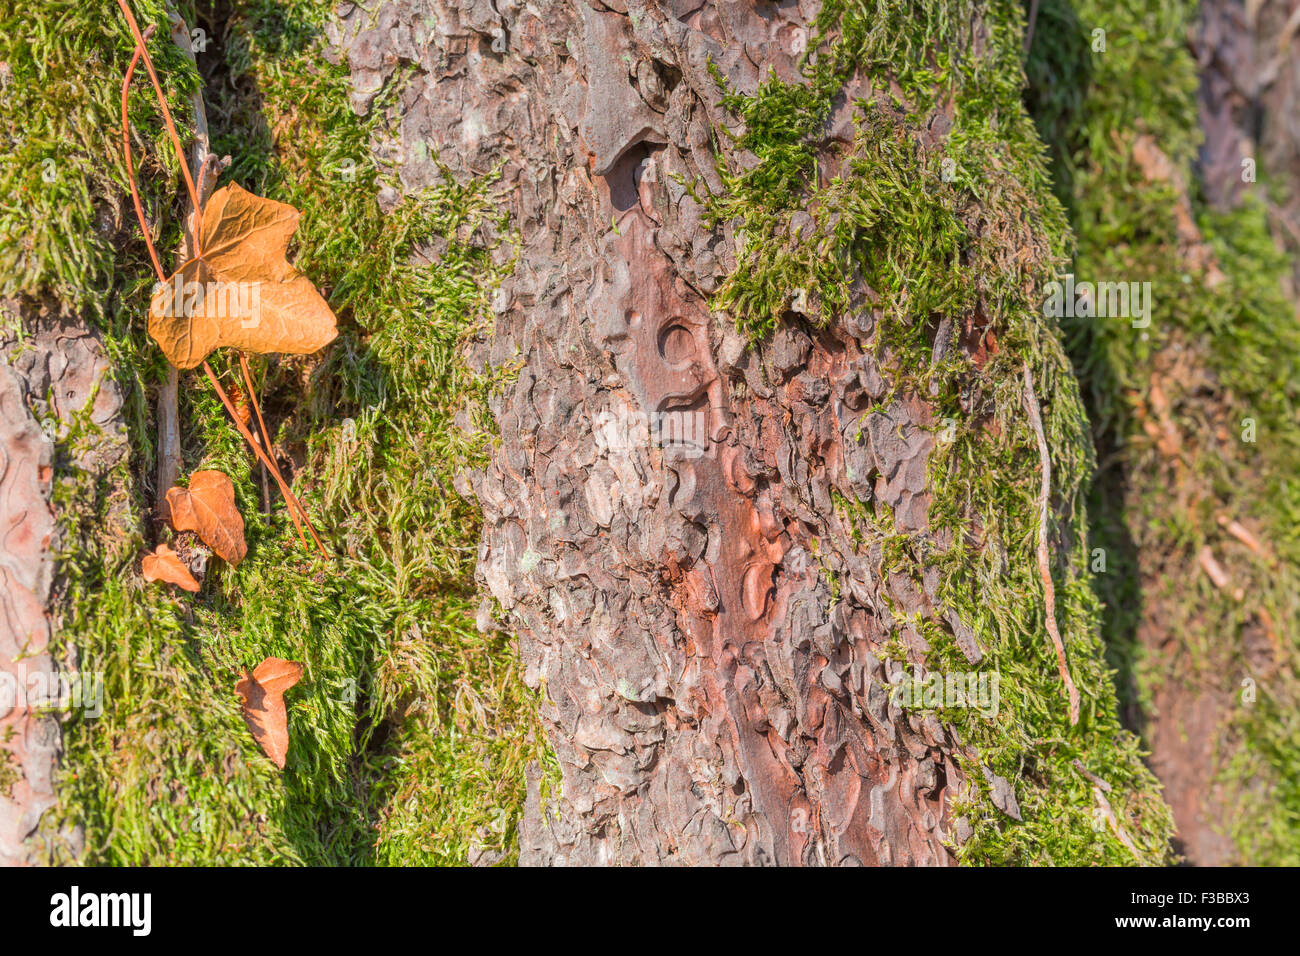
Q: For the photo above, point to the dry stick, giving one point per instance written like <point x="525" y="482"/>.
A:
<point x="168" y="417"/>
<point x="1240" y="532"/>
<point x="257" y="450"/>
<point x="1044" y="566"/>
<point x="169" y="428"/>
<point x="1214" y="570"/>
<point x="1099" y="790"/>
<point x="266" y="439"/>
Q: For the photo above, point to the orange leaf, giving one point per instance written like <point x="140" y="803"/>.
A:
<point x="240" y="402"/>
<point x="207" y="507"/>
<point x="263" y="695"/>
<point x="165" y="565"/>
<point x="241" y="290"/>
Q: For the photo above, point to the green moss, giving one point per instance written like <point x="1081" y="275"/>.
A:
<point x="1221" y="354"/>
<point x="61" y="171"/>
<point x="9" y="773"/>
<point x="410" y="731"/>
<point x="965" y="228"/>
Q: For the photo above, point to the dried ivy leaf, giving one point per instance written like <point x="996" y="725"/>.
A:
<point x="240" y="401"/>
<point x="264" y="712"/>
<point x="240" y="291"/>
<point x="165" y="565"/>
<point x="207" y="507"/>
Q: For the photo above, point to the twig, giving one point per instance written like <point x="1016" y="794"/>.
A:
<point x="289" y="496"/>
<point x="1029" y="28"/>
<point x="169" y="453"/>
<point x="1044" y="565"/>
<point x="1099" y="790"/>
<point x="1240" y="532"/>
<point x="169" y="429"/>
<point x="1078" y="765"/>
<point x="1115" y="825"/>
<point x="169" y="445"/>
<point x="266" y="437"/>
<point x="1214" y="571"/>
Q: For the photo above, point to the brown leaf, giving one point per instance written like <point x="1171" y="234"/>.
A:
<point x="207" y="507"/>
<point x="263" y="695"/>
<point x="238" y="399"/>
<point x="241" y="291"/>
<point x="165" y="565"/>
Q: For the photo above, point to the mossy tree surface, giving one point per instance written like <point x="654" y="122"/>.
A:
<point x="966" y="227"/>
<point x="409" y="732"/>
<point x="1197" y="413"/>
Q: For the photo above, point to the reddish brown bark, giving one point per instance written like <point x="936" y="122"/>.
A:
<point x="50" y="375"/>
<point x="710" y="697"/>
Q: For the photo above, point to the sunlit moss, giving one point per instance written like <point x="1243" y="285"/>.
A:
<point x="410" y="730"/>
<point x="966" y="226"/>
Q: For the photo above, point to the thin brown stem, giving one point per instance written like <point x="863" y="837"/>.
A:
<point x="296" y="509"/>
<point x="126" y="154"/>
<point x="266" y="435"/>
<point x="167" y="121"/>
<point x="289" y="496"/>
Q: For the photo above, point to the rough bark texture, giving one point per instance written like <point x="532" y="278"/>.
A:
<point x="1248" y="56"/>
<point x="56" y="373"/>
<point x="710" y="699"/>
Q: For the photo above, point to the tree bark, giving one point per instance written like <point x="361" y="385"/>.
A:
<point x="53" y="374"/>
<point x="659" y="511"/>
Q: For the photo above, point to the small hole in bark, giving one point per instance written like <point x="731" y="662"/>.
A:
<point x="669" y="75"/>
<point x="622" y="178"/>
<point x="677" y="345"/>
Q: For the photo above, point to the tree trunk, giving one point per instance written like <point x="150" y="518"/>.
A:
<point x="52" y="378"/>
<point x="659" y="515"/>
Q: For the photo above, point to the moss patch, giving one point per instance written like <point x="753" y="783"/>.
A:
<point x="410" y="730"/>
<point x="963" y="226"/>
<point x="1214" y="358"/>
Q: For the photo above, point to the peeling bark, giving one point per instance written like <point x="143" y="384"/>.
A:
<point x="30" y="742"/>
<point x="659" y="521"/>
<point x="53" y="374"/>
